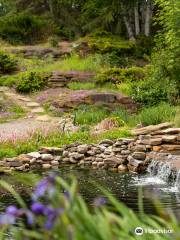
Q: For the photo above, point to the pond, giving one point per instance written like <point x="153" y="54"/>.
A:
<point x="124" y="186"/>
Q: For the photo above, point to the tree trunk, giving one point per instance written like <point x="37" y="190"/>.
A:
<point x="137" y="22"/>
<point x="148" y="13"/>
<point x="129" y="29"/>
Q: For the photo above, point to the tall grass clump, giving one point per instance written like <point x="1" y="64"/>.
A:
<point x="157" y="114"/>
<point x="91" y="63"/>
<point x="57" y="211"/>
<point x="90" y="114"/>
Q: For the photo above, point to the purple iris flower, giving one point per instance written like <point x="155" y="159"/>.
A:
<point x="99" y="201"/>
<point x="52" y="214"/>
<point x="12" y="210"/>
<point x="38" y="208"/>
<point x="46" y="185"/>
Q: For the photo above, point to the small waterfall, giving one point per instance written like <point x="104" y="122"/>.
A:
<point x="165" y="171"/>
<point x="177" y="182"/>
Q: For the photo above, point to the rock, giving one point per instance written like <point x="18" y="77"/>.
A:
<point x="21" y="168"/>
<point x="46" y="166"/>
<point x="169" y="131"/>
<point x="178" y="137"/>
<point x="91" y="153"/>
<point x="15" y="164"/>
<point x="83" y="148"/>
<point x="76" y="155"/>
<point x="169" y="138"/>
<point x="152" y="142"/>
<point x="106" y="141"/>
<point x="57" y="158"/>
<point x="36" y="155"/>
<point x="47" y="157"/>
<point x="117" y="150"/>
<point x="94" y="164"/>
<point x="32" y="104"/>
<point x="122" y="168"/>
<point x="72" y="160"/>
<point x="156" y="148"/>
<point x="125" y="152"/>
<point x="43" y="118"/>
<point x="151" y="128"/>
<point x="100" y="164"/>
<point x="51" y="150"/>
<point x="65" y="154"/>
<point x="33" y="161"/>
<point x="139" y="148"/>
<point x="24" y="158"/>
<point x="37" y="110"/>
<point x="55" y="163"/>
<point x="170" y="148"/>
<point x="139" y="155"/>
<point x="113" y="161"/>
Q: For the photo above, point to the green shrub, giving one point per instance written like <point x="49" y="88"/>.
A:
<point x="107" y="43"/>
<point x="120" y="75"/>
<point x="153" y="91"/>
<point x="23" y="28"/>
<point x="31" y="82"/>
<point x="7" y="63"/>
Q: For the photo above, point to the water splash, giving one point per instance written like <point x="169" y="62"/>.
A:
<point x="177" y="182"/>
<point x="165" y="171"/>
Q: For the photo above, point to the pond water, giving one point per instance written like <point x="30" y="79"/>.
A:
<point x="124" y="186"/>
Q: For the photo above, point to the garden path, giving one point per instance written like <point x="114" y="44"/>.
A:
<point x="36" y="118"/>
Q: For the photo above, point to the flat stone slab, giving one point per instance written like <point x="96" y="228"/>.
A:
<point x="43" y="118"/>
<point x="24" y="99"/>
<point x="38" y="110"/>
<point x="151" y="128"/>
<point x="32" y="104"/>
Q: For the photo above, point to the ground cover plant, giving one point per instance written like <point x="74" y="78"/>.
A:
<point x="58" y="211"/>
<point x="10" y="111"/>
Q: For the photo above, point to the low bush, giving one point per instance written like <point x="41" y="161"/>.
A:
<point x="153" y="91"/>
<point x="108" y="44"/>
<point x="31" y="82"/>
<point x="120" y="75"/>
<point x="23" y="28"/>
<point x="7" y="63"/>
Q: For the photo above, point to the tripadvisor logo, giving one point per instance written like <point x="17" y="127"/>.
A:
<point x="139" y="231"/>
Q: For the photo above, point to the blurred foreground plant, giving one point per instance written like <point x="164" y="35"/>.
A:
<point x="57" y="211"/>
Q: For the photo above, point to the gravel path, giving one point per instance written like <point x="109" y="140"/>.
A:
<point x="22" y="128"/>
<point x="36" y="119"/>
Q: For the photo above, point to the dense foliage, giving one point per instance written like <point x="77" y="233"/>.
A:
<point x="163" y="82"/>
<point x="23" y="28"/>
<point x="31" y="82"/>
<point x="7" y="63"/>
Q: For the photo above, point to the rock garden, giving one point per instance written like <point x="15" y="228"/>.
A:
<point x="94" y="97"/>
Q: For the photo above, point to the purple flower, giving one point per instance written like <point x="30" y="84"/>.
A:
<point x="38" y="208"/>
<point x="46" y="185"/>
<point x="100" y="201"/>
<point x="12" y="210"/>
<point x="52" y="214"/>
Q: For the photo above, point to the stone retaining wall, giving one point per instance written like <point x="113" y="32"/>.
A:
<point x="120" y="155"/>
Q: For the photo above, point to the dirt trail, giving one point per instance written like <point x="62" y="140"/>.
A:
<point x="36" y="118"/>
